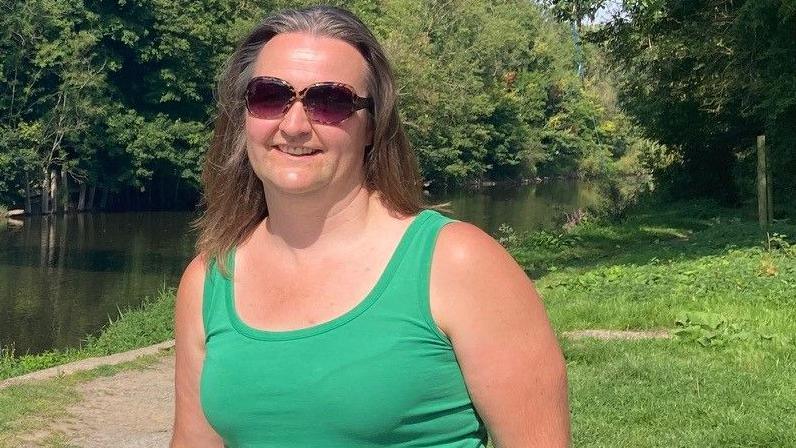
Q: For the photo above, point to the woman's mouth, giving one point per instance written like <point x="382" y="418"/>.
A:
<point x="297" y="151"/>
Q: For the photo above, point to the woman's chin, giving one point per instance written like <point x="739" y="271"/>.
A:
<point x="294" y="184"/>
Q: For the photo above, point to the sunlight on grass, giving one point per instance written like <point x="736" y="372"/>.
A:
<point x="726" y="291"/>
<point x="665" y="233"/>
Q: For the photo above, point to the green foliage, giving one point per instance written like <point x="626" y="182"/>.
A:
<point x="706" y="78"/>
<point x="666" y="262"/>
<point x="779" y="243"/>
<point x="116" y="94"/>
<point x="712" y="330"/>
<point x="120" y="94"/>
<point x="149" y="323"/>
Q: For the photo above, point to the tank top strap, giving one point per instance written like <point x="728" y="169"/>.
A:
<point x="217" y="288"/>
<point x="409" y="289"/>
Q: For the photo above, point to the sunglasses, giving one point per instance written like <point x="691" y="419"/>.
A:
<point x="324" y="102"/>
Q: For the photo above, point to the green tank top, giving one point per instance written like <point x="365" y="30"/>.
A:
<point x="380" y="375"/>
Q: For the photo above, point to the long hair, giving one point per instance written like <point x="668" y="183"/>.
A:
<point x="233" y="198"/>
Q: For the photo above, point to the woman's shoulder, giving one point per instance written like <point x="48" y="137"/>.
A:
<point x="195" y="270"/>
<point x="471" y="272"/>
<point x="191" y="288"/>
<point x="460" y="244"/>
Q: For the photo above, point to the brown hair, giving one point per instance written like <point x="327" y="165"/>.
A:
<point x="233" y="198"/>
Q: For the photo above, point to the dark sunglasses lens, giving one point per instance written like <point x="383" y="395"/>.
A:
<point x="329" y="103"/>
<point x="267" y="99"/>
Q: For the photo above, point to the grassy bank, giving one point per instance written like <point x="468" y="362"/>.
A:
<point x="147" y="324"/>
<point x="708" y="275"/>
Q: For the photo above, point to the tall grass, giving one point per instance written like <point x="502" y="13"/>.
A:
<point x="149" y="323"/>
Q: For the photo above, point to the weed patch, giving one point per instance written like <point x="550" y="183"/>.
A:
<point x="711" y="329"/>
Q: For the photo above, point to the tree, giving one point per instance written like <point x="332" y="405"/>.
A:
<point x="54" y="91"/>
<point x="707" y="77"/>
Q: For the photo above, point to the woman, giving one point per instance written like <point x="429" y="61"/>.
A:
<point x="326" y="307"/>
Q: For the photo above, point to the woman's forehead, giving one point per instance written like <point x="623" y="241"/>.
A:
<point x="301" y="59"/>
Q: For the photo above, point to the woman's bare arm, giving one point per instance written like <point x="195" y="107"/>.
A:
<point x="508" y="352"/>
<point x="191" y="429"/>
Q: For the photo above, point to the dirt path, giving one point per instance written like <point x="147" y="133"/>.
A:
<point x="129" y="410"/>
<point x="132" y="409"/>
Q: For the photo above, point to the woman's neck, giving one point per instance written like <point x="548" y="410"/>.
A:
<point x="300" y="223"/>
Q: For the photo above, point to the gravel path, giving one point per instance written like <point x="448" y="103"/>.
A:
<point x="129" y="410"/>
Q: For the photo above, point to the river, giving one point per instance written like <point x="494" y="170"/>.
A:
<point x="63" y="276"/>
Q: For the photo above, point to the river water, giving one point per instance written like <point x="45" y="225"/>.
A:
<point x="63" y="276"/>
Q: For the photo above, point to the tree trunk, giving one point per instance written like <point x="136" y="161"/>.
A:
<point x="104" y="198"/>
<point x="81" y="200"/>
<point x="43" y="238"/>
<point x="28" y="194"/>
<point x="91" y="197"/>
<point x="53" y="199"/>
<point x="65" y="188"/>
<point x="45" y="192"/>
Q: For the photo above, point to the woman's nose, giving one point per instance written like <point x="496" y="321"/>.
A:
<point x="295" y="120"/>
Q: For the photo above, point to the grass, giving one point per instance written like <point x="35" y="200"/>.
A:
<point x="675" y="394"/>
<point x="149" y="323"/>
<point x="29" y="409"/>
<point x="707" y="274"/>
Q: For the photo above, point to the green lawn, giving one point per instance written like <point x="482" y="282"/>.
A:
<point x="728" y="379"/>
<point x="674" y="394"/>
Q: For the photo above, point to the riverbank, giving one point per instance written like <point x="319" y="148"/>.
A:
<point x="700" y="272"/>
<point x="149" y="323"/>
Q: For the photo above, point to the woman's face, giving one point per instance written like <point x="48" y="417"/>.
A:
<point x="302" y="59"/>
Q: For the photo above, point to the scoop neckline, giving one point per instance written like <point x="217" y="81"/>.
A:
<point x="368" y="301"/>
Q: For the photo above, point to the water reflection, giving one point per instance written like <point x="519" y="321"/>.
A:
<point x="524" y="208"/>
<point x="62" y="276"/>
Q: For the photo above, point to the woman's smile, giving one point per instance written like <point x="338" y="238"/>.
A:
<point x="296" y="151"/>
